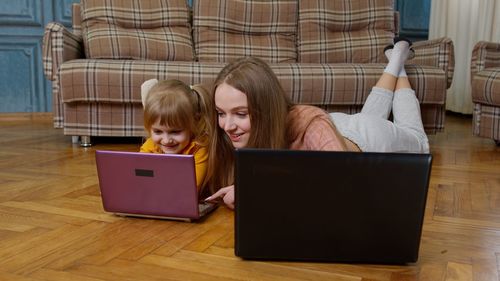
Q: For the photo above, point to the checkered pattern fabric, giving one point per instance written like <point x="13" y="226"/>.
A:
<point x="485" y="73"/>
<point x="437" y="53"/>
<point x="59" y="45"/>
<point x="137" y="29"/>
<point x="76" y="20"/>
<point x="91" y="89"/>
<point x="344" y="31"/>
<point x="101" y="97"/>
<point x="486" y="121"/>
<point x="486" y="86"/>
<point x="224" y="30"/>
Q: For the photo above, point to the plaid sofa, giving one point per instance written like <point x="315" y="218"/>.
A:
<point x="485" y="75"/>
<point x="325" y="53"/>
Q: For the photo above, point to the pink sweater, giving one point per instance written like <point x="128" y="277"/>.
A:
<point x="310" y="128"/>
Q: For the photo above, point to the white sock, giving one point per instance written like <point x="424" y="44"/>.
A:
<point x="397" y="58"/>
<point x="402" y="71"/>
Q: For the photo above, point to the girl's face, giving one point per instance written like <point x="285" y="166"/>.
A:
<point x="170" y="140"/>
<point x="233" y="116"/>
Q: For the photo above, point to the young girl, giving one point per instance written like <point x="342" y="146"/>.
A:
<point x="177" y="118"/>
<point x="253" y="111"/>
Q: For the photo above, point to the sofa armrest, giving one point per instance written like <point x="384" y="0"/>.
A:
<point x="484" y="55"/>
<point x="436" y="52"/>
<point x="59" y="45"/>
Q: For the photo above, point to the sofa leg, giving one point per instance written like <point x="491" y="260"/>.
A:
<point x="497" y="142"/>
<point x="85" y="141"/>
<point x="75" y="139"/>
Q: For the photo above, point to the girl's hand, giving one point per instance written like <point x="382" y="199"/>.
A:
<point x="227" y="195"/>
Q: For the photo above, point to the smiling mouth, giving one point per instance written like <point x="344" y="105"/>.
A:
<point x="235" y="137"/>
<point x="170" y="147"/>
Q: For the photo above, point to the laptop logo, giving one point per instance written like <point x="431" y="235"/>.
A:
<point x="144" y="173"/>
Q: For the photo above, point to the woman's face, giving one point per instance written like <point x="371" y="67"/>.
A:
<point x="233" y="116"/>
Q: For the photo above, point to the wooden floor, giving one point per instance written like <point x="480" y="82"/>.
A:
<point x="52" y="225"/>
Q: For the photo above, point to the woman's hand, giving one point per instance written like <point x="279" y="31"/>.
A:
<point x="227" y="195"/>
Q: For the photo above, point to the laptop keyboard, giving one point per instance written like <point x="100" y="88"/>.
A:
<point x="204" y="207"/>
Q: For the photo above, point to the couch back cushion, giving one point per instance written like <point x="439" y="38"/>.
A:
<point x="137" y="29"/>
<point x="224" y="30"/>
<point x="344" y="31"/>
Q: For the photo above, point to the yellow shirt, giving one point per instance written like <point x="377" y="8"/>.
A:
<point x="200" y="157"/>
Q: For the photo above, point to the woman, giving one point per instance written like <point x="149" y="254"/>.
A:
<point x="253" y="111"/>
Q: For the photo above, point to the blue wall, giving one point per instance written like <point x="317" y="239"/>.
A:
<point x="22" y="83"/>
<point x="414" y="18"/>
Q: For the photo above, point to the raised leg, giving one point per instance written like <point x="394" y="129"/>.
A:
<point x="379" y="102"/>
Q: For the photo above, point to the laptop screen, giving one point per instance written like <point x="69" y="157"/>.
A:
<point x="147" y="184"/>
<point x="330" y="206"/>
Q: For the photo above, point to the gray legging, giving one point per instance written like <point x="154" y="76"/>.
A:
<point x="373" y="132"/>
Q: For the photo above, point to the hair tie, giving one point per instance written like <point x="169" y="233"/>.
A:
<point x="146" y="88"/>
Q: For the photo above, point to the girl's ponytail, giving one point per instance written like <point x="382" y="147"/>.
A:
<point x="205" y="115"/>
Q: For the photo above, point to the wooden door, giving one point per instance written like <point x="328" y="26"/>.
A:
<point x="22" y="22"/>
<point x="414" y="18"/>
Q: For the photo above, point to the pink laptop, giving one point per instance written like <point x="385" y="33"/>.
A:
<point x="150" y="185"/>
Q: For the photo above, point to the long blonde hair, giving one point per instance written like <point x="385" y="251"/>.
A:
<point x="268" y="108"/>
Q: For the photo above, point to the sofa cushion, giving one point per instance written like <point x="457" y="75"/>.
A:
<point x="137" y="29"/>
<point x="344" y="31"/>
<point x="119" y="81"/>
<point x="486" y="86"/>
<point x="227" y="29"/>
<point x="110" y="89"/>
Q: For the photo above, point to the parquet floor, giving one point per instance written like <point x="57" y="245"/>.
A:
<point x="52" y="225"/>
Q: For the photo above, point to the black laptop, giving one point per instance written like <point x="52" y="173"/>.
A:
<point x="330" y="206"/>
